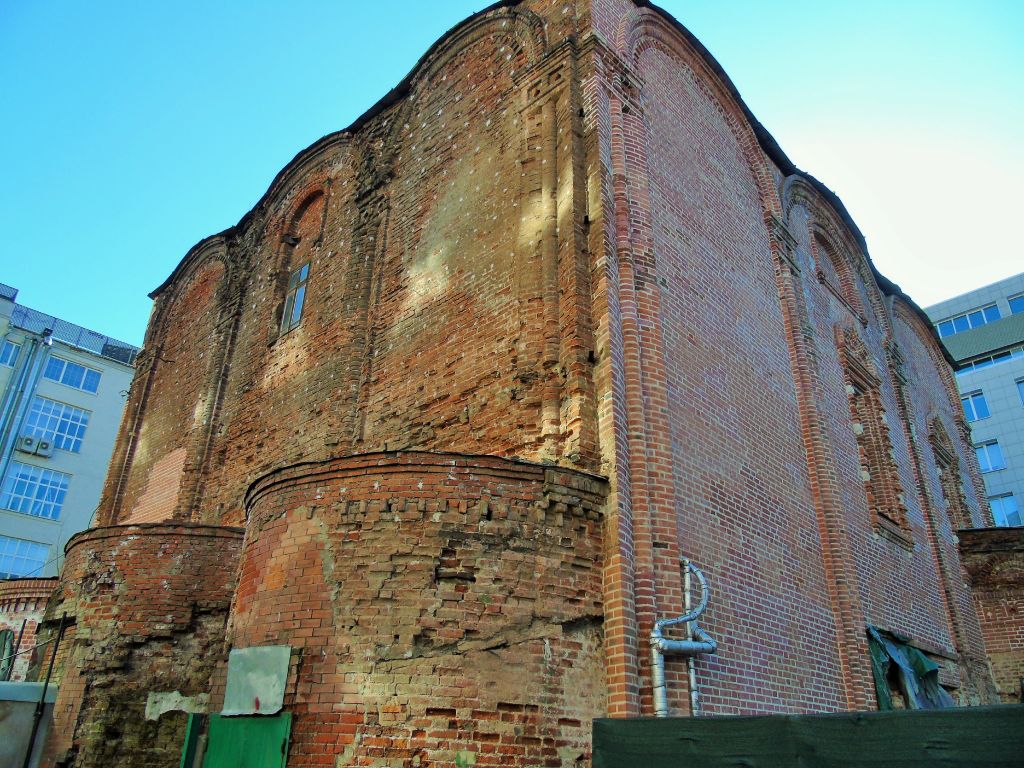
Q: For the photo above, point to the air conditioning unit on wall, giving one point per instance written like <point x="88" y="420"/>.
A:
<point x="35" y="445"/>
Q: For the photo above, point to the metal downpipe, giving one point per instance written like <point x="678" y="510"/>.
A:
<point x="699" y="642"/>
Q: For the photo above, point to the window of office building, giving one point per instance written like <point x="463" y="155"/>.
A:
<point x="9" y="353"/>
<point x="1020" y="390"/>
<point x="974" y="405"/>
<point x="990" y="456"/>
<point x="20" y="557"/>
<point x="63" y="425"/>
<point x="72" y="374"/>
<point x="1016" y="353"/>
<point x="968" y="320"/>
<point x="1004" y="510"/>
<point x="1016" y="304"/>
<point x="34" y="490"/>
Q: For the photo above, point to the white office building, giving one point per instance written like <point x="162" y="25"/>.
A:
<point x="983" y="330"/>
<point x="62" y="393"/>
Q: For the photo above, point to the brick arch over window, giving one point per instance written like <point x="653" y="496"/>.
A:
<point x="301" y="239"/>
<point x="835" y="273"/>
<point x="851" y="262"/>
<point x="948" y="464"/>
<point x="878" y="468"/>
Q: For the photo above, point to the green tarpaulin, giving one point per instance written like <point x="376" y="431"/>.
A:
<point x="973" y="737"/>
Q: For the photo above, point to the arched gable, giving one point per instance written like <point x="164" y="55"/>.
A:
<point x="644" y="28"/>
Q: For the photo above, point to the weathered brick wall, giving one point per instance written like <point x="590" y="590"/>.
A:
<point x="734" y="289"/>
<point x="575" y="249"/>
<point x="149" y="604"/>
<point x="994" y="560"/>
<point x="22" y="602"/>
<point x="440" y="608"/>
<point x="162" y="442"/>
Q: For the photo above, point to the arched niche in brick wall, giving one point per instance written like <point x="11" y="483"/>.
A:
<point x="162" y="447"/>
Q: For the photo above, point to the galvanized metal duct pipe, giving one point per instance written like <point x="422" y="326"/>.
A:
<point x="698" y="642"/>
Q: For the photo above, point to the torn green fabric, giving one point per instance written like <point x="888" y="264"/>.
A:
<point x="916" y="674"/>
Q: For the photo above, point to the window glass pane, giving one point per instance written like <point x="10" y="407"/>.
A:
<point x="1017" y="304"/>
<point x="9" y="353"/>
<point x="960" y="324"/>
<point x="992" y="313"/>
<point x="34" y="490"/>
<point x="54" y="369"/>
<point x="995" y="456"/>
<point x="19" y="557"/>
<point x="975" y="318"/>
<point x="1020" y="390"/>
<point x="946" y="328"/>
<point x="1004" y="510"/>
<point x="63" y="426"/>
<point x="300" y="296"/>
<point x="304" y="272"/>
<point x="92" y="380"/>
<point x="73" y="375"/>
<point x="980" y="406"/>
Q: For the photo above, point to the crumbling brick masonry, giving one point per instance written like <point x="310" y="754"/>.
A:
<point x="480" y="369"/>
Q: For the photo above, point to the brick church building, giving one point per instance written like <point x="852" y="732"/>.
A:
<point x="446" y="413"/>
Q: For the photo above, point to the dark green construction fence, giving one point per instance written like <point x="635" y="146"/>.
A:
<point x="965" y="737"/>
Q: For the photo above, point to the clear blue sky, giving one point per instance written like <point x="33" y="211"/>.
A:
<point x="131" y="130"/>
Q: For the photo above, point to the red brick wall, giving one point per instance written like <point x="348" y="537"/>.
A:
<point x="149" y="604"/>
<point x="164" y="445"/>
<point x="22" y="602"/>
<point x="994" y="560"/>
<point x="437" y="605"/>
<point x="575" y="252"/>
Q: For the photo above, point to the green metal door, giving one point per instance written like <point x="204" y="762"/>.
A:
<point x="246" y="742"/>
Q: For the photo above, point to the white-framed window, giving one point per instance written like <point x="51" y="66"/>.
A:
<point x="34" y="490"/>
<point x="21" y="557"/>
<point x="1004" y="510"/>
<point x="975" y="406"/>
<point x="63" y="425"/>
<point x="9" y="353"/>
<point x="71" y="374"/>
<point x="974" y="318"/>
<point x="1016" y="304"/>
<point x="990" y="456"/>
<point x="295" y="298"/>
